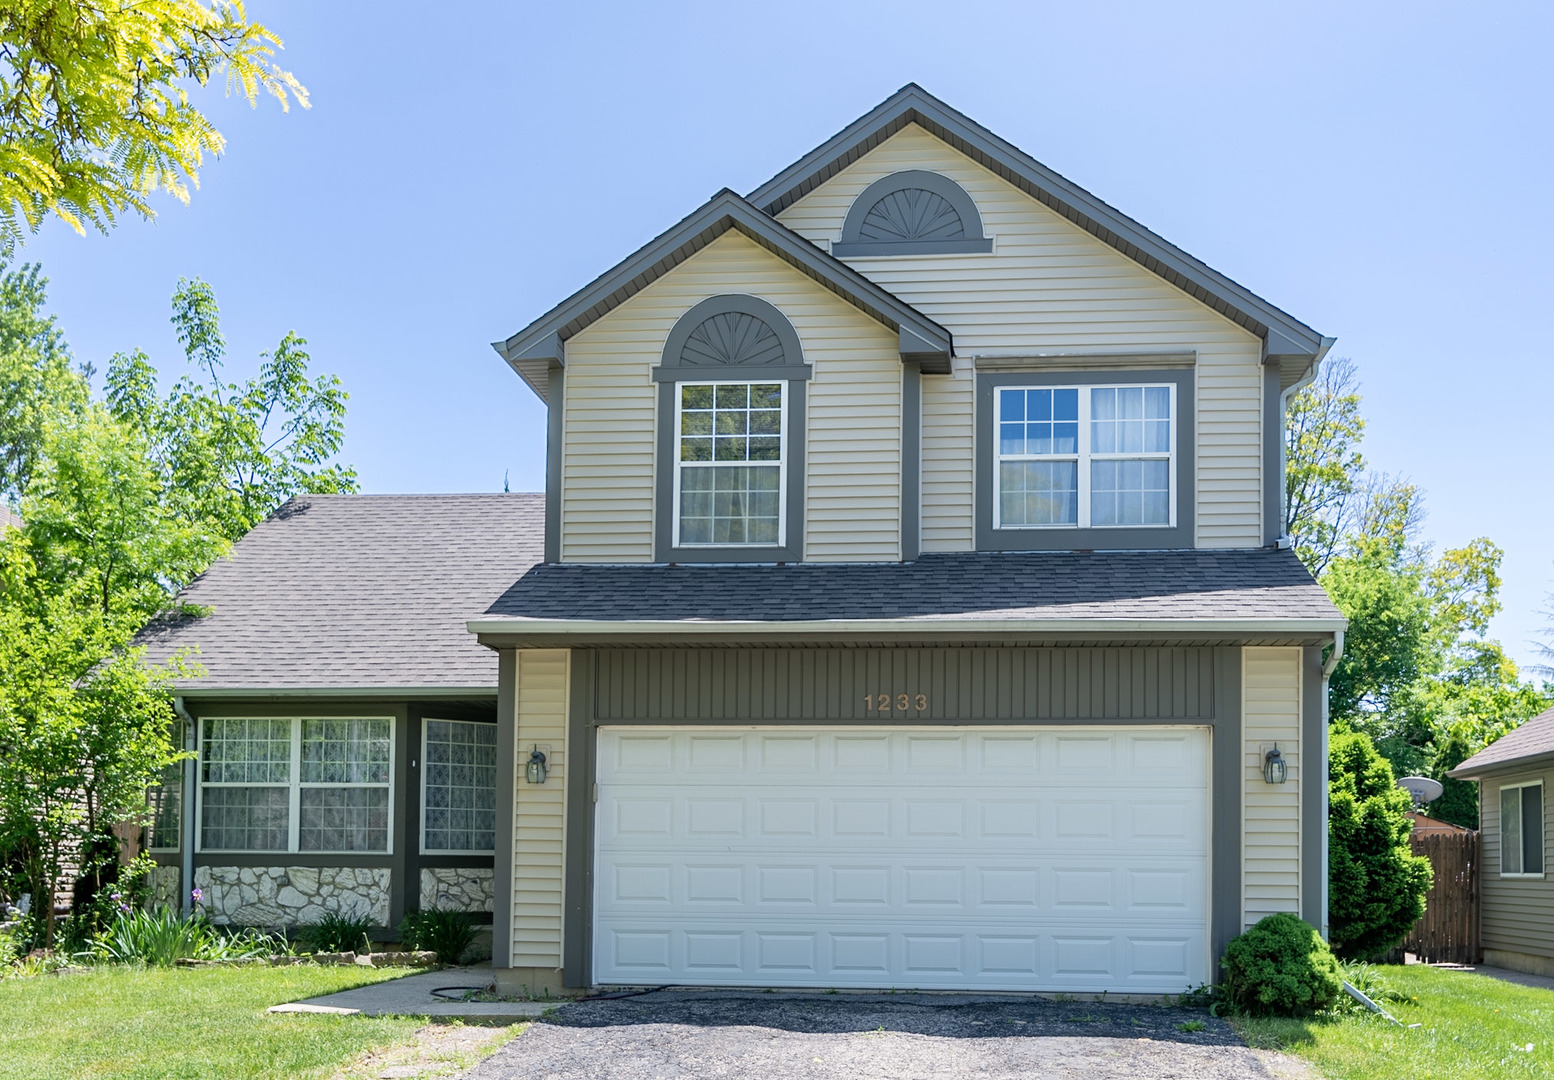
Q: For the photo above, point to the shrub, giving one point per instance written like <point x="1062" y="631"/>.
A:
<point x="162" y="937"/>
<point x="446" y="933"/>
<point x="1376" y="884"/>
<point x="1280" y="967"/>
<point x="335" y="933"/>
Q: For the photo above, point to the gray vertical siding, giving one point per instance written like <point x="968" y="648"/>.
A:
<point x="1517" y="913"/>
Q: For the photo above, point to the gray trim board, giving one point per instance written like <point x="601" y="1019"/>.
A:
<point x="912" y="104"/>
<point x="1225" y="901"/>
<point x="577" y="938"/>
<point x="911" y="460"/>
<point x="1273" y="455"/>
<point x="555" y="428"/>
<point x="1313" y="792"/>
<point x="792" y="551"/>
<point x="1114" y="538"/>
<point x="506" y="776"/>
<point x="919" y="335"/>
<point x="403" y="874"/>
<point x="971" y="241"/>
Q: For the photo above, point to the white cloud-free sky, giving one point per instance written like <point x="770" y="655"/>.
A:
<point x="1380" y="170"/>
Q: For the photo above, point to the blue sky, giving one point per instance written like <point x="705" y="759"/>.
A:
<point x="1379" y="170"/>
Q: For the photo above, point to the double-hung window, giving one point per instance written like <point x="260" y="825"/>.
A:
<point x="729" y="481"/>
<point x="1521" y="830"/>
<point x="458" y="787"/>
<point x="295" y="784"/>
<point x="1084" y="457"/>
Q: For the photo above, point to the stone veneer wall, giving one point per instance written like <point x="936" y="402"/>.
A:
<point x="281" y="896"/>
<point x="164" y="886"/>
<point x="458" y="888"/>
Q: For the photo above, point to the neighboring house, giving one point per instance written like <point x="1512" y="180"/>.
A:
<point x="1425" y="825"/>
<point x="907" y="606"/>
<point x="1516" y="895"/>
<point x="9" y="519"/>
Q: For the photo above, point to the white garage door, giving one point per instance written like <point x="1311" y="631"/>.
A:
<point x="996" y="858"/>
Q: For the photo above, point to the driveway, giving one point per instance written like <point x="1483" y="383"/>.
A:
<point x="733" y="1035"/>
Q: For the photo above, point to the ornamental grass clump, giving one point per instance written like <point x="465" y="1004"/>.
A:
<point x="163" y="936"/>
<point x="449" y="934"/>
<point x="335" y="933"/>
<point x="1281" y="967"/>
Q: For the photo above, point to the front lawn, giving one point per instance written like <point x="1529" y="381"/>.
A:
<point x="198" y="1023"/>
<point x="1472" y="1026"/>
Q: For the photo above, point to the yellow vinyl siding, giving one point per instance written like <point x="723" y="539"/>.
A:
<point x="949" y="420"/>
<point x="853" y="429"/>
<point x="539" y="823"/>
<point x="1048" y="286"/>
<point x="1270" y="827"/>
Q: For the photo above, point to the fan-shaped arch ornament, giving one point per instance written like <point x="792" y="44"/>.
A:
<point x="910" y="213"/>
<point x="732" y="337"/>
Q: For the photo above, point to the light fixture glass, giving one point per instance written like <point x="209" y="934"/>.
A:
<point x="534" y="772"/>
<point x="1275" y="771"/>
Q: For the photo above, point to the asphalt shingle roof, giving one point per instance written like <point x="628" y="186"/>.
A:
<point x="1533" y="739"/>
<point x="1254" y="584"/>
<point x="365" y="591"/>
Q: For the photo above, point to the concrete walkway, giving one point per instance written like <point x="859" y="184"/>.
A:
<point x="413" y="996"/>
<point x="1521" y="978"/>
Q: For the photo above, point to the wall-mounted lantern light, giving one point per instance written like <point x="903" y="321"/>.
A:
<point x="534" y="772"/>
<point x="1275" y="771"/>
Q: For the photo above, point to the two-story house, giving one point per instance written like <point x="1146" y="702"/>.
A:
<point x="907" y="607"/>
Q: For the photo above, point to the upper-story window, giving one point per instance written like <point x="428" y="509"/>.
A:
<point x="730" y="476"/>
<point x="731" y="417"/>
<point x="912" y="213"/>
<point x="1090" y="456"/>
<point x="1081" y="460"/>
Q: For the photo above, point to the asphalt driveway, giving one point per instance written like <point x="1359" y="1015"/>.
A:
<point x="683" y="1034"/>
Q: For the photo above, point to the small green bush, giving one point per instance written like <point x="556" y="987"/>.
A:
<point x="1280" y="967"/>
<point x="335" y="933"/>
<point x="162" y="937"/>
<point x="449" y="934"/>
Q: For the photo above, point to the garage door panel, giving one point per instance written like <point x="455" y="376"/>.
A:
<point x="1013" y="858"/>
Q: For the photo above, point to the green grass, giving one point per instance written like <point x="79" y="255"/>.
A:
<point x="195" y="1023"/>
<point x="1472" y="1026"/>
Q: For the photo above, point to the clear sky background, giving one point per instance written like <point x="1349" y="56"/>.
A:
<point x="1380" y="170"/>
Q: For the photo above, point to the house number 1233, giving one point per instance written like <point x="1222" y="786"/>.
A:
<point x="898" y="702"/>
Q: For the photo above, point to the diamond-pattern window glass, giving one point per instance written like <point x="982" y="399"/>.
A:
<point x="459" y="786"/>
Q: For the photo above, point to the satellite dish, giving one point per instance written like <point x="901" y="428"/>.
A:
<point x="1422" y="788"/>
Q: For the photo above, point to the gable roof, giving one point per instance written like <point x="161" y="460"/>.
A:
<point x="356" y="592"/>
<point x="1534" y="740"/>
<point x="1283" y="334"/>
<point x="534" y="349"/>
<point x="1019" y="594"/>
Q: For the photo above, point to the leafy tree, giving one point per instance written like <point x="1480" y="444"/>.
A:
<point x="95" y="113"/>
<point x="1322" y="461"/>
<point x="36" y="376"/>
<point x="229" y="452"/>
<point x="1376" y="885"/>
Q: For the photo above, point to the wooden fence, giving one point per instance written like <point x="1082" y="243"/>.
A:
<point x="1448" y="932"/>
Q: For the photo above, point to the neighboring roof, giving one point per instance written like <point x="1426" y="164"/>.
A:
<point x="371" y="592"/>
<point x="1424" y="824"/>
<point x="1533" y="740"/>
<point x="1283" y="334"/>
<point x="998" y="591"/>
<point x="541" y="344"/>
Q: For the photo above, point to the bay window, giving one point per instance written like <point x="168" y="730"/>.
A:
<point x="458" y="787"/>
<point x="295" y="784"/>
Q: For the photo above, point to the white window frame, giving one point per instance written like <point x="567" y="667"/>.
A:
<point x="1542" y="830"/>
<point x="1083" y="456"/>
<point x="781" y="463"/>
<point x="496" y="811"/>
<point x="294" y="785"/>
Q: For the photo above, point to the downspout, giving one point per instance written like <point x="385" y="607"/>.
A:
<point x="186" y="808"/>
<point x="1328" y="667"/>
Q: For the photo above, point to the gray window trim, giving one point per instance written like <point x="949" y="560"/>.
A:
<point x="793" y="374"/>
<point x="1112" y="538"/>
<point x="853" y="245"/>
